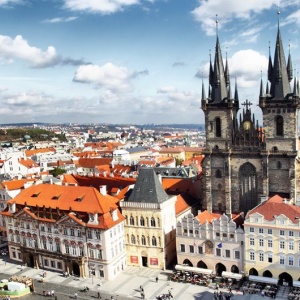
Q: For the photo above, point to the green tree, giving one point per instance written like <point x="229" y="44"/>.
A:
<point x="57" y="171"/>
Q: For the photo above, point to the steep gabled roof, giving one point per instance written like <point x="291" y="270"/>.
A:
<point x="148" y="188"/>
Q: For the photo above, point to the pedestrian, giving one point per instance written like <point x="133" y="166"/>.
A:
<point x="156" y="279"/>
<point x="99" y="297"/>
<point x="52" y="293"/>
<point x="75" y="296"/>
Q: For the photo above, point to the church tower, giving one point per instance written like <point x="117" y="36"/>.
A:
<point x="279" y="106"/>
<point x="245" y="163"/>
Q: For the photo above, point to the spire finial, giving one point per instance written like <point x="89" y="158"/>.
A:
<point x="278" y="13"/>
<point x="217" y="23"/>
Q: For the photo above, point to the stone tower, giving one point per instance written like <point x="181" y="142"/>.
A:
<point x="243" y="162"/>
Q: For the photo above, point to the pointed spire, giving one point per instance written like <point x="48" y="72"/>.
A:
<point x="211" y="71"/>
<point x="289" y="67"/>
<point x="261" y="93"/>
<point x="236" y="94"/>
<point x="280" y="86"/>
<point x="218" y="84"/>
<point x="227" y="75"/>
<point x="295" y="91"/>
<point x="270" y="66"/>
<point x="267" y="88"/>
<point x="229" y="96"/>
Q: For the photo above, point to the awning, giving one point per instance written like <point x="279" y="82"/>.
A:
<point x="193" y="270"/>
<point x="263" y="279"/>
<point x="232" y="275"/>
<point x="296" y="283"/>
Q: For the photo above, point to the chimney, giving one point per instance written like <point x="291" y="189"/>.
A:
<point x="103" y="190"/>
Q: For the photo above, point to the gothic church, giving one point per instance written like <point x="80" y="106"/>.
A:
<point x="245" y="163"/>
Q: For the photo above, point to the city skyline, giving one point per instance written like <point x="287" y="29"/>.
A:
<point x="132" y="61"/>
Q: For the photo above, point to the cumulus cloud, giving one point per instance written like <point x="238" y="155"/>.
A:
<point x="8" y="2"/>
<point x="99" y="6"/>
<point x="227" y="10"/>
<point x="19" y="48"/>
<point x="108" y="76"/>
<point x="60" y="20"/>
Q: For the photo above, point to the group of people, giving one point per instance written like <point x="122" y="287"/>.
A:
<point x="7" y="298"/>
<point x="222" y="296"/>
<point x="49" y="293"/>
<point x="165" y="296"/>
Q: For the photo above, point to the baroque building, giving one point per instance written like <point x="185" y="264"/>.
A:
<point x="244" y="162"/>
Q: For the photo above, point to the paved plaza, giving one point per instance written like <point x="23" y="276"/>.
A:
<point x="125" y="286"/>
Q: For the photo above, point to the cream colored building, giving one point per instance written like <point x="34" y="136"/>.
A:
<point x="150" y="222"/>
<point x="211" y="241"/>
<point x="272" y="240"/>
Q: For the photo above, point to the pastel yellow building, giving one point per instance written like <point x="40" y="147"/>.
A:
<point x="272" y="240"/>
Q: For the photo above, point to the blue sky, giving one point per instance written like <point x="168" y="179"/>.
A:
<point x="131" y="61"/>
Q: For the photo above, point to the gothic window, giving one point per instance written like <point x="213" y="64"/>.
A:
<point x="143" y="240"/>
<point x="279" y="125"/>
<point x="218" y="127"/>
<point x="152" y="222"/>
<point x="131" y="220"/>
<point x="218" y="173"/>
<point x="279" y="165"/>
<point x="154" y="243"/>
<point x="142" y="221"/>
<point x="132" y="239"/>
<point x="275" y="149"/>
<point x="248" y="187"/>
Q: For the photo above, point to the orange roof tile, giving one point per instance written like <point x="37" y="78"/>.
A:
<point x="207" y="216"/>
<point x="93" y="162"/>
<point x="28" y="163"/>
<point x="180" y="205"/>
<point x="36" y="151"/>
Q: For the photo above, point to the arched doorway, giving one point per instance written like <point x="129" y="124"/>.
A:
<point x="267" y="273"/>
<point x="201" y="265"/>
<point x="187" y="262"/>
<point x="75" y="269"/>
<point x="144" y="259"/>
<point x="234" y="269"/>
<point x="248" y="187"/>
<point x="219" y="269"/>
<point x="253" y="271"/>
<point x="30" y="261"/>
<point x="285" y="278"/>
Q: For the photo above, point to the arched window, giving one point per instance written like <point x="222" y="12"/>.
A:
<point x="218" y="127"/>
<point x="142" y="221"/>
<point x="279" y="125"/>
<point x="131" y="220"/>
<point x="154" y="243"/>
<point x="279" y="165"/>
<point x="152" y="222"/>
<point x="218" y="173"/>
<point x="132" y="239"/>
<point x="126" y="220"/>
<point x="143" y="240"/>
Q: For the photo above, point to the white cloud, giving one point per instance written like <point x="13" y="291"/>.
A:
<point x="108" y="76"/>
<point x="99" y="6"/>
<point x="226" y="10"/>
<point x="60" y="20"/>
<point x="18" y="48"/>
<point x="7" y="2"/>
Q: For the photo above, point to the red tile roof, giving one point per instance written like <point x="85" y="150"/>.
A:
<point x="93" y="162"/>
<point x="180" y="205"/>
<point x="276" y="206"/>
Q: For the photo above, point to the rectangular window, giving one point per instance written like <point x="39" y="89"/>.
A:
<point x="46" y="262"/>
<point x="81" y="251"/>
<point x="281" y="232"/>
<point x="182" y="248"/>
<point x="59" y="265"/>
<point x="217" y="233"/>
<point x="57" y="247"/>
<point x="191" y="249"/>
<point x="49" y="229"/>
<point x="261" y="242"/>
<point x="65" y="231"/>
<point x="227" y="253"/>
<point x="99" y="254"/>
<point x="291" y="246"/>
<point x="92" y="253"/>
<point x="74" y="251"/>
<point x="252" y="256"/>
<point x="291" y="261"/>
<point x="52" y="262"/>
<point x="67" y="248"/>
<point x="270" y="258"/>
<point x="270" y="243"/>
<point x="260" y="230"/>
<point x="72" y="232"/>
<point x="231" y="235"/>
<point x="89" y="234"/>
<point x="261" y="257"/>
<point x="50" y="246"/>
<point x="281" y="260"/>
<point x="224" y="235"/>
<point x="281" y="244"/>
<point x="291" y="233"/>
<point x="237" y="254"/>
<point x="270" y="231"/>
<point x="251" y="241"/>
<point x="218" y="252"/>
<point x="98" y="236"/>
<point x="45" y="244"/>
<point x="200" y="249"/>
<point x="79" y="234"/>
